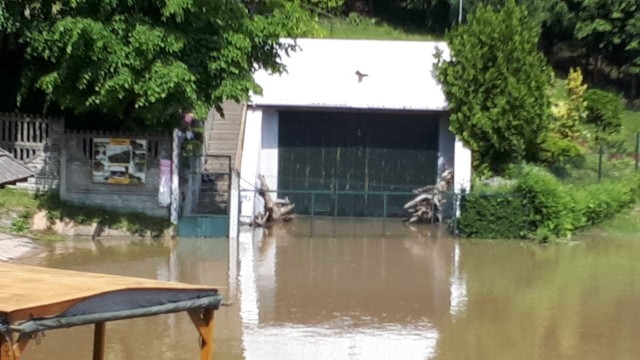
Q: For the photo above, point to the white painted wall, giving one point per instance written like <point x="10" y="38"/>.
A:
<point x="269" y="149"/>
<point x="250" y="164"/>
<point x="446" y="146"/>
<point x="462" y="167"/>
<point x="260" y="156"/>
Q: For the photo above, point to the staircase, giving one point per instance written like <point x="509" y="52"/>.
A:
<point x="221" y="140"/>
<point x="214" y="195"/>
<point x="36" y="184"/>
<point x="222" y="134"/>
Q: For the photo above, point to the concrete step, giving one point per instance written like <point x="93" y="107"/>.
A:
<point x="34" y="184"/>
<point x="215" y="188"/>
<point x="221" y="138"/>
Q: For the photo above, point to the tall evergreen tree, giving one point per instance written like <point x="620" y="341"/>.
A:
<point x="497" y="85"/>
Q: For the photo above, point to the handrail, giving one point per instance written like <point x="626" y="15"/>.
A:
<point x="237" y="163"/>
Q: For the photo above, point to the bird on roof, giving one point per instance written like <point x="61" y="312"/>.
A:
<point x="360" y="75"/>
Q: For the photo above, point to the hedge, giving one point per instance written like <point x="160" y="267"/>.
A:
<point x="541" y="207"/>
<point x="501" y="215"/>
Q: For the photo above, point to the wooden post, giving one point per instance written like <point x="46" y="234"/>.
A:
<point x="206" y="346"/>
<point x="4" y="348"/>
<point x="204" y="323"/>
<point x="98" y="341"/>
<point x="9" y="351"/>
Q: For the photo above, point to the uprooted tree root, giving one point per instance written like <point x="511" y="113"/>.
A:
<point x="278" y="210"/>
<point x="429" y="201"/>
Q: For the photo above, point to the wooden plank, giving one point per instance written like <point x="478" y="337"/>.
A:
<point x="98" y="341"/>
<point x="23" y="145"/>
<point x="36" y="131"/>
<point x="23" y="131"/>
<point x="204" y="323"/>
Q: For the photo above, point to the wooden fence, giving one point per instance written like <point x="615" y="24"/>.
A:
<point x="24" y="136"/>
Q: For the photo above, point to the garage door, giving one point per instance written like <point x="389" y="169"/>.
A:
<point x="355" y="152"/>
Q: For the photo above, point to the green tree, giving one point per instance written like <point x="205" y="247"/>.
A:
<point x="497" y="85"/>
<point x="148" y="61"/>
<point x="605" y="33"/>
<point x="570" y="113"/>
<point x="561" y="141"/>
<point x="604" y="112"/>
<point x="610" y="30"/>
<point x="326" y="6"/>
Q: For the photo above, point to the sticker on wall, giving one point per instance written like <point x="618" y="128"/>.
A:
<point x="119" y="161"/>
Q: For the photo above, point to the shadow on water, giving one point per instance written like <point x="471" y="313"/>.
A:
<point x="367" y="294"/>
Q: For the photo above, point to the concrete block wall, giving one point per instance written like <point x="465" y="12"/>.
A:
<point x="76" y="186"/>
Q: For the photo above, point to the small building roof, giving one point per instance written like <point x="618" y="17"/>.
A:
<point x="398" y="75"/>
<point x="12" y="170"/>
<point x="51" y="298"/>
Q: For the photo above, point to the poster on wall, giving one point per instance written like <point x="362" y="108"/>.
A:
<point x="119" y="161"/>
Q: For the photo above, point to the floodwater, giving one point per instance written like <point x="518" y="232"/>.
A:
<point x="373" y="292"/>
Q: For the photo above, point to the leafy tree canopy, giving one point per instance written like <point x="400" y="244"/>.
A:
<point x="611" y="29"/>
<point x="497" y="85"/>
<point x="149" y="60"/>
<point x="604" y="111"/>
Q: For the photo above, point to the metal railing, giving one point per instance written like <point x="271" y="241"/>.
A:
<point x="208" y="184"/>
<point x="353" y="204"/>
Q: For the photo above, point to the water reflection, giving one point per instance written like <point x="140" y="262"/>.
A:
<point x="346" y="298"/>
<point x="373" y="292"/>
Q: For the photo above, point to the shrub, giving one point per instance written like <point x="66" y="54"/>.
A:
<point x="549" y="203"/>
<point x="604" y="111"/>
<point x="500" y="215"/>
<point x="22" y="223"/>
<point x="557" y="151"/>
<point x="598" y="202"/>
<point x="539" y="206"/>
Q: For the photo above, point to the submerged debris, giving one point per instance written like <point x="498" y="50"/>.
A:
<point x="427" y="205"/>
<point x="274" y="210"/>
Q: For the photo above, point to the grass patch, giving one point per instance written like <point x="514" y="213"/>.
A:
<point x="625" y="223"/>
<point x="630" y="125"/>
<point x="19" y="206"/>
<point x="370" y="29"/>
<point x="15" y="200"/>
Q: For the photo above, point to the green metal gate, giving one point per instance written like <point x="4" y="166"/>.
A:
<point x="357" y="154"/>
<point x="205" y="209"/>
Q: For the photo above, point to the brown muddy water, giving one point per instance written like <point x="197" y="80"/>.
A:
<point x="408" y="294"/>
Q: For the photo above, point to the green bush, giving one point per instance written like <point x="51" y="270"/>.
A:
<point x="22" y="223"/>
<point x="598" y="202"/>
<point x="541" y="207"/>
<point x="500" y="215"/>
<point x="549" y="203"/>
<point x="604" y="111"/>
